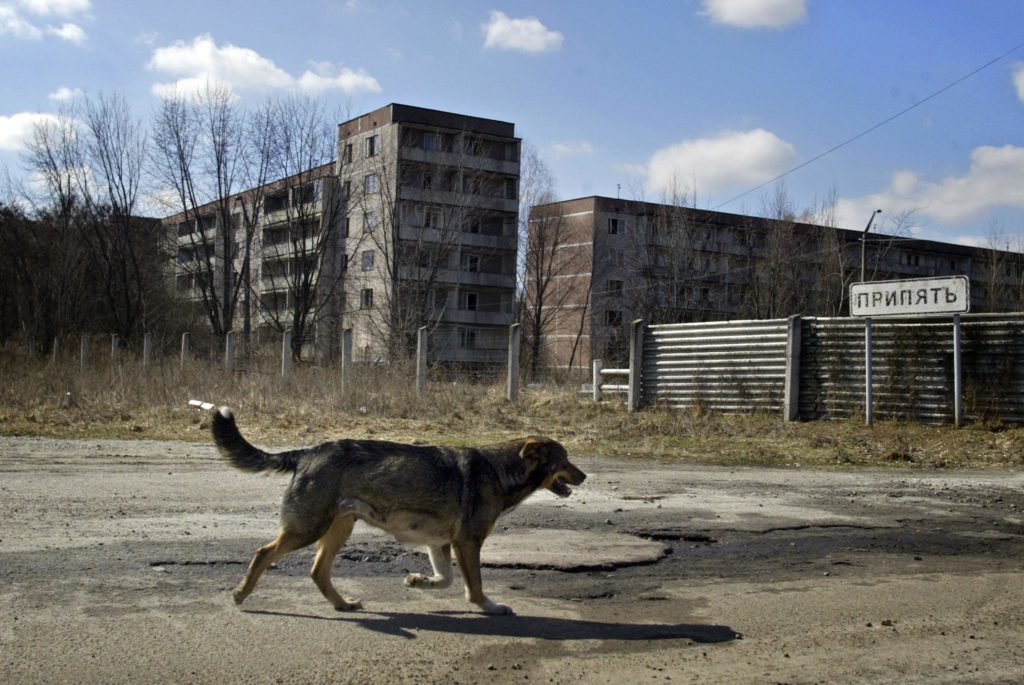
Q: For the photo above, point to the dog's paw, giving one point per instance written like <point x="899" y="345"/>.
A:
<point x="421" y="580"/>
<point x="496" y="609"/>
<point x="416" y="580"/>
<point x="348" y="604"/>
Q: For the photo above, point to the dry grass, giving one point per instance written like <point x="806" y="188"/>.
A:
<point x="126" y="401"/>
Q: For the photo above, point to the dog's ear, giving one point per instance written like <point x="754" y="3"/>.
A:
<point x="534" y="451"/>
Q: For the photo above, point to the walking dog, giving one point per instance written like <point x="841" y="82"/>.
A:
<point x="444" y="498"/>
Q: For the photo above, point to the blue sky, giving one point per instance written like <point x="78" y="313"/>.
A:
<point x="618" y="97"/>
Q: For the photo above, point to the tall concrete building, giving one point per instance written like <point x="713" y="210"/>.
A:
<point x="414" y="224"/>
<point x="615" y="260"/>
<point x="431" y="227"/>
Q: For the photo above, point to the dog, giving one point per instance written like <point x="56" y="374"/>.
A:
<point x="444" y="498"/>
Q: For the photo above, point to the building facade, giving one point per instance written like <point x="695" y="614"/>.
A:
<point x="431" y="240"/>
<point x="414" y="224"/>
<point x="616" y="260"/>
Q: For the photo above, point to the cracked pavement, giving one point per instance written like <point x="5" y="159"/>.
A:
<point x="116" y="561"/>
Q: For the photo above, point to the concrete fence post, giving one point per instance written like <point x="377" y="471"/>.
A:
<point x="286" y="353"/>
<point x="636" y="358"/>
<point x="598" y="365"/>
<point x="421" y="360"/>
<point x="83" y="356"/>
<point x="115" y="347"/>
<point x="346" y="360"/>
<point x="229" y="351"/>
<point x="56" y="349"/>
<point x="791" y="399"/>
<point x="147" y="350"/>
<point x="512" y="382"/>
<point x="186" y="339"/>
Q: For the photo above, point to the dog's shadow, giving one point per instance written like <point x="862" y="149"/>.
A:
<point x="402" y="624"/>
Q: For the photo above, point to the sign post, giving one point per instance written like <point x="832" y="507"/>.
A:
<point x="910" y="297"/>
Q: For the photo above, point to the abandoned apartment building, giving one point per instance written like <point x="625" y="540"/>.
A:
<point x="619" y="260"/>
<point x="414" y="224"/>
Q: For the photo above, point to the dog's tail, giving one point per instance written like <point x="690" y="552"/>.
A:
<point x="241" y="453"/>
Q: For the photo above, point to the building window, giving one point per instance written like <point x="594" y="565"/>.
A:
<point x="431" y="219"/>
<point x="344" y="227"/>
<point x="366" y="261"/>
<point x="275" y="202"/>
<point x="346" y="190"/>
<point x="510" y="189"/>
<point x="613" y="317"/>
<point x="467" y="338"/>
<point x="910" y="259"/>
<point x="373" y="146"/>
<point x="471" y="263"/>
<point x="616" y="258"/>
<point x="470" y="301"/>
<point x="369" y="221"/>
<point x="473" y="224"/>
<point x="615" y="226"/>
<point x="428" y="181"/>
<point x="346" y="156"/>
<point x="615" y="288"/>
<point x="430" y="141"/>
<point x="366" y="298"/>
<point x="344" y="261"/>
<point x="372" y="183"/>
<point x="952" y="265"/>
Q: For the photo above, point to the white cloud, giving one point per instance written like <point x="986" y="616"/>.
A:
<point x="1018" y="79"/>
<point x="12" y="23"/>
<point x="525" y="35"/>
<point x="732" y="159"/>
<point x="72" y="33"/>
<point x="63" y="94"/>
<point x="59" y="8"/>
<point x="994" y="179"/>
<point x="15" y="129"/>
<point x="202" y="61"/>
<point x="579" y="148"/>
<point x="752" y="14"/>
<point x="347" y="80"/>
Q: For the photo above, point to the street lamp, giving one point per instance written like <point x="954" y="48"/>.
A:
<point x="863" y="244"/>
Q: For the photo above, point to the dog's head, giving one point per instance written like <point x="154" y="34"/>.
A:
<point x="551" y="459"/>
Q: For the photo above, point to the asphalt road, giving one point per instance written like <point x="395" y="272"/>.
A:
<point x="117" y="560"/>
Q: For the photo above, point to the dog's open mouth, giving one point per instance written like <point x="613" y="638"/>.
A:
<point x="559" y="487"/>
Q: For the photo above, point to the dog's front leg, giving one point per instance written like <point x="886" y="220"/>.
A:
<point x="441" y="562"/>
<point x="468" y="554"/>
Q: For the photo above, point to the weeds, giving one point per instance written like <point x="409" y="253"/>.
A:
<point x="125" y="400"/>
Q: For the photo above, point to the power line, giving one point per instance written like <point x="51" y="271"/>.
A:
<point x="866" y="131"/>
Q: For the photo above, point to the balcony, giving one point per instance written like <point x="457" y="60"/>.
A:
<point x="454" y="276"/>
<point x="474" y="317"/>
<point x="460" y="237"/>
<point x="493" y="203"/>
<point x="464" y="161"/>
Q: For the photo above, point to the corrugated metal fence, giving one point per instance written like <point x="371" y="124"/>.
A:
<point x="724" y="366"/>
<point x="814" y="367"/>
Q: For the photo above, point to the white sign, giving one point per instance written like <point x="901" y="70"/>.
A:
<point x="946" y="295"/>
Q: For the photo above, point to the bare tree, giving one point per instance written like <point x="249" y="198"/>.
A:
<point x="300" y="247"/>
<point x="206" y="150"/>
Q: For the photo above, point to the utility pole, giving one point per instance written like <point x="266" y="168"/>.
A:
<point x="863" y="245"/>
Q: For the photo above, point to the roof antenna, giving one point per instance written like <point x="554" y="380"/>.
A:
<point x="618" y="191"/>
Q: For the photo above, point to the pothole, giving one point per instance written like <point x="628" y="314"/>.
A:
<point x="570" y="550"/>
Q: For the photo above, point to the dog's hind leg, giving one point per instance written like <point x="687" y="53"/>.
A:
<point x="468" y="554"/>
<point x="441" y="562"/>
<point x="286" y="541"/>
<point x="327" y="548"/>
